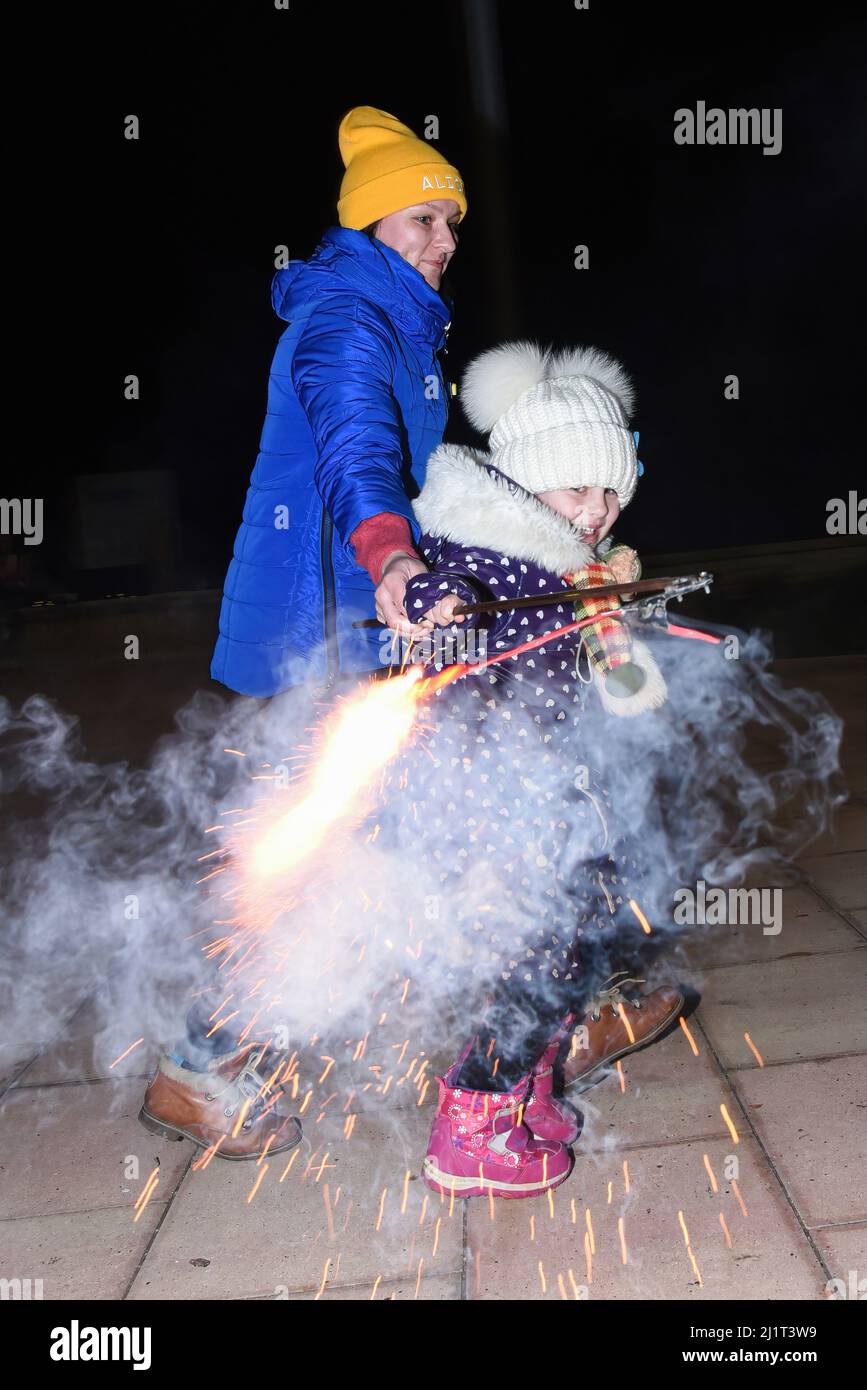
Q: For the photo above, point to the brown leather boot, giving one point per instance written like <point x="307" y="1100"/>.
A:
<point x="616" y="1025"/>
<point x="205" y="1106"/>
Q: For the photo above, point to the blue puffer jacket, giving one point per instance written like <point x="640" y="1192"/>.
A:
<point x="356" y="403"/>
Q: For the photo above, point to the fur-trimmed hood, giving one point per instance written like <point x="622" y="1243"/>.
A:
<point x="467" y="500"/>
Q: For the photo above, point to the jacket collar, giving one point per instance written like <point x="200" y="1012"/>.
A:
<point x="384" y="277"/>
<point x="467" y="500"/>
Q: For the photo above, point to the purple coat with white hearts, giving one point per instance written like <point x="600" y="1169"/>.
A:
<point x="496" y="772"/>
<point x="484" y="537"/>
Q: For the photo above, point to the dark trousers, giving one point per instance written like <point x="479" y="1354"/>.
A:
<point x="523" y="1014"/>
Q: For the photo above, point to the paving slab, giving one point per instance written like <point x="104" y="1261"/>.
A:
<point x="76" y="1255"/>
<point x="848" y="831"/>
<point x="810" y="1006"/>
<point x="215" y="1243"/>
<point x="770" y="1256"/>
<point x="843" y="877"/>
<point x="808" y="927"/>
<point x="844" y="1249"/>
<point x="669" y="1094"/>
<point x="812" y="1118"/>
<point x="68" y="1149"/>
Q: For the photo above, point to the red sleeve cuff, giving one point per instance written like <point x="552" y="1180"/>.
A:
<point x="377" y="537"/>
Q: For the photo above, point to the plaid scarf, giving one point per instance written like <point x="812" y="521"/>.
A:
<point x="608" y="642"/>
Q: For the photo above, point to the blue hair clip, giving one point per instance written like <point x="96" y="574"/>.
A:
<point x="636" y="435"/>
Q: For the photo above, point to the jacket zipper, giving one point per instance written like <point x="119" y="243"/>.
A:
<point x="329" y="604"/>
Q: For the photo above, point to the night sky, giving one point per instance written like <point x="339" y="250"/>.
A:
<point x="704" y="261"/>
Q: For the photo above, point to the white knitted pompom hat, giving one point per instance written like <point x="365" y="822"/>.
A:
<point x="556" y="420"/>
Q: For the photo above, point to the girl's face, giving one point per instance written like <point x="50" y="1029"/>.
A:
<point x="425" y="235"/>
<point x="591" y="510"/>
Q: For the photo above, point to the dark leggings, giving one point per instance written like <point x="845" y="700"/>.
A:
<point x="523" y="1015"/>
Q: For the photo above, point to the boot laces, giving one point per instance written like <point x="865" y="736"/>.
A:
<point x="611" y="995"/>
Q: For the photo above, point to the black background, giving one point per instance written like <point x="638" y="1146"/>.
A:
<point x="156" y="255"/>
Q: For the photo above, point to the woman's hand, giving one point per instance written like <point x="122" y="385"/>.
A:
<point x="397" y="571"/>
<point x="443" y="614"/>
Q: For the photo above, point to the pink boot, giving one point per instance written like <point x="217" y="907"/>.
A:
<point x="479" y="1144"/>
<point x="545" y="1116"/>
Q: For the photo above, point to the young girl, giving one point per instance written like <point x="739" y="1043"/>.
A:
<point x="517" y="818"/>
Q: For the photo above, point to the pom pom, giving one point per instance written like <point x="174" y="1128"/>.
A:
<point x="592" y="362"/>
<point x="499" y="377"/>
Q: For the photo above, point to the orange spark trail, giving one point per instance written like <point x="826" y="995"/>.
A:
<point x="645" y="925"/>
<point x="725" y="1114"/>
<point x="682" y="1022"/>
<point x="126" y="1054"/>
<point x="755" y="1051"/>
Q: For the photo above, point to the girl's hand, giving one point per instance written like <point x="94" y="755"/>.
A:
<point x="443" y="614"/>
<point x="623" y="563"/>
<point x="397" y="571"/>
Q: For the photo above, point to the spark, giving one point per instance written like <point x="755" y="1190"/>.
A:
<point x="682" y="1219"/>
<point x="326" y="1197"/>
<point x="532" y="1228"/>
<point x="710" y="1173"/>
<point x="423" y="1093"/>
<point x="610" y="1191"/>
<point x="324" y="1279"/>
<point x="572" y="1209"/>
<point x="722" y="1222"/>
<point x="238" y="754"/>
<point x="330" y="1061"/>
<point x="589" y="1221"/>
<point x="418" y="1278"/>
<point x="645" y="925"/>
<point x="381" y="1207"/>
<point x="269" y="1141"/>
<point x="208" y="1154"/>
<point x="574" y="1285"/>
<point x="682" y="1022"/>
<point x="144" y="1195"/>
<point x="423" y="1211"/>
<point x="491" y="1202"/>
<point x="732" y="1131"/>
<point x="624" y="1254"/>
<point x="629" y="1033"/>
<point x="126" y="1054"/>
<point x="436" y="1236"/>
<point x="255" y="1188"/>
<point x="695" y="1266"/>
<point x="550" y="1195"/>
<point x="405" y="991"/>
<point x="755" y="1051"/>
<point x="542" y="1278"/>
<point x="619" y="1065"/>
<point x="289" y="1164"/>
<point x="406" y="1177"/>
<point x="588" y="1257"/>
<point x="737" y="1193"/>
<point x="562" y="1288"/>
<point x="626" y="1174"/>
<point x="376" y="1283"/>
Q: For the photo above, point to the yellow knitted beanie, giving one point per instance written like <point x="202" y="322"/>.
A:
<point x="389" y="168"/>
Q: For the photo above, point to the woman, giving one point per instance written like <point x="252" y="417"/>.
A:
<point x="356" y="403"/>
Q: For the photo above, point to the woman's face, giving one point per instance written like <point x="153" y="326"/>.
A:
<point x="591" y="510"/>
<point x="425" y="235"/>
